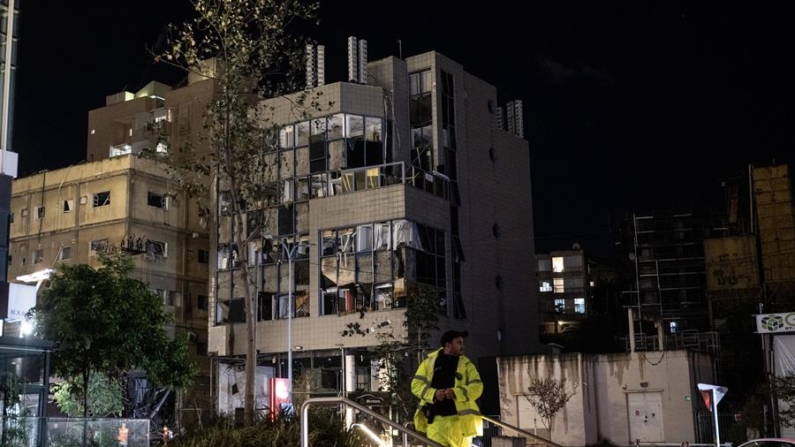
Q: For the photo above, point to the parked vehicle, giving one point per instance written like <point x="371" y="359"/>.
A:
<point x="769" y="442"/>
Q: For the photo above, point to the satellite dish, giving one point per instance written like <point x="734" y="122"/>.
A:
<point x="575" y="246"/>
<point x="632" y="256"/>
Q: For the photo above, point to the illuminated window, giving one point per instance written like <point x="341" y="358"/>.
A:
<point x="545" y="287"/>
<point x="673" y="326"/>
<point x="558" y="285"/>
<point x="579" y="305"/>
<point x="560" y="305"/>
<point x="557" y="264"/>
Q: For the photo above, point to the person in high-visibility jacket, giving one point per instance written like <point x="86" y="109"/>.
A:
<point x="447" y="384"/>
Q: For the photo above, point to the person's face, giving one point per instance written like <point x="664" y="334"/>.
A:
<point x="455" y="347"/>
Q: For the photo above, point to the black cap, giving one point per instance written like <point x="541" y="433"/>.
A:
<point x="449" y="336"/>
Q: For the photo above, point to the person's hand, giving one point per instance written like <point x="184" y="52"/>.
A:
<point x="449" y="393"/>
<point x="439" y="394"/>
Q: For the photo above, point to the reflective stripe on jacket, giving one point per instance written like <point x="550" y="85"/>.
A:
<point x="468" y="388"/>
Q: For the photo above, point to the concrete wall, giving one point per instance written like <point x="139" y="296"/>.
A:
<point x="614" y="395"/>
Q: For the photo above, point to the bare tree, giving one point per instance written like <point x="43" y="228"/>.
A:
<point x="548" y="396"/>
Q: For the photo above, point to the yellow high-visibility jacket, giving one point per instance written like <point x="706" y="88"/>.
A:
<point x="468" y="387"/>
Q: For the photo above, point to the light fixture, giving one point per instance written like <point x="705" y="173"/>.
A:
<point x="298" y="348"/>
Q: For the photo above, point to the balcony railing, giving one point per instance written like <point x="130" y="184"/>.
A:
<point x="371" y="177"/>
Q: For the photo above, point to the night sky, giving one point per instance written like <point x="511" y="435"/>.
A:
<point x="631" y="106"/>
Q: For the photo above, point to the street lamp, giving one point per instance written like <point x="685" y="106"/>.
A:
<point x="290" y="252"/>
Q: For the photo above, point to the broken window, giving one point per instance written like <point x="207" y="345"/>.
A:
<point x="335" y="126"/>
<point x="68" y="206"/>
<point x="231" y="311"/>
<point x="302" y="134"/>
<point x="156" y="248"/>
<point x="66" y="253"/>
<point x="39" y="212"/>
<point x="38" y="256"/>
<point x="101" y="199"/>
<point x="97" y="246"/>
<point x="228" y="256"/>
<point x="287" y="137"/>
<point x="156" y="200"/>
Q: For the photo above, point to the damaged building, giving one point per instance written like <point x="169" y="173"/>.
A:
<point x="412" y="180"/>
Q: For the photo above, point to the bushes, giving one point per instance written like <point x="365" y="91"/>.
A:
<point x="326" y="429"/>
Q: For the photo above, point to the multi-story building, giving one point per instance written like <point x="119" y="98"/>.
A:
<point x="122" y="204"/>
<point x="409" y="179"/>
<point x="659" y="260"/>
<point x="564" y="288"/>
<point x="8" y="158"/>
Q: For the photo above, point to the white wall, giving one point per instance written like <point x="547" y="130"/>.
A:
<point x="660" y="384"/>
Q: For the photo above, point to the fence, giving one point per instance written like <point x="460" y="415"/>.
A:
<point x="705" y="430"/>
<point x="38" y="432"/>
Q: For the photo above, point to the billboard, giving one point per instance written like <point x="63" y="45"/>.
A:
<point x="731" y="263"/>
<point x="775" y="323"/>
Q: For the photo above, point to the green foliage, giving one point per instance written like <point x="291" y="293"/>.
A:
<point x="785" y="391"/>
<point x="548" y="396"/>
<point x="104" y="321"/>
<point x="326" y="429"/>
<point x="105" y="397"/>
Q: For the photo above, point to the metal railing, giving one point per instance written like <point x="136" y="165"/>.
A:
<point x="524" y="433"/>
<point x="344" y="401"/>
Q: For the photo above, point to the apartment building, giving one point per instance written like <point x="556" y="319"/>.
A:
<point x="564" y="287"/>
<point x="9" y="11"/>
<point x="121" y="204"/>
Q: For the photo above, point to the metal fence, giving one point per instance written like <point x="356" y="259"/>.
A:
<point x="58" y="432"/>
<point x="705" y="430"/>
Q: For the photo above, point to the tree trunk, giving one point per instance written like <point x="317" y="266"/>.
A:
<point x="251" y="347"/>
<point x="86" y="374"/>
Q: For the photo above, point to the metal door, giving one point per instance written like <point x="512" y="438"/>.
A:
<point x="645" y="417"/>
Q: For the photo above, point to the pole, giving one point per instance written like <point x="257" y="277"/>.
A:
<point x="715" y="415"/>
<point x="290" y="259"/>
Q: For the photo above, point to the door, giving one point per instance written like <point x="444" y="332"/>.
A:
<point x="645" y="417"/>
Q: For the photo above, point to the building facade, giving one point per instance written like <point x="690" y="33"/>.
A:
<point x="659" y="259"/>
<point x="122" y="204"/>
<point x="8" y="158"/>
<point x="407" y="183"/>
<point x="564" y="288"/>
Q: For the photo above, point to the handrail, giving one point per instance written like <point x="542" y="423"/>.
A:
<point x="342" y="400"/>
<point x="521" y="432"/>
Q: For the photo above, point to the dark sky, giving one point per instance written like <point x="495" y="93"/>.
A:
<point x="629" y="106"/>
